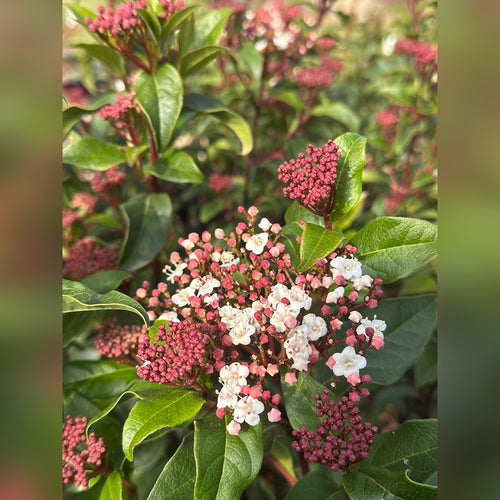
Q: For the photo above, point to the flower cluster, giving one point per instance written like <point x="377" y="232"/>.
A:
<point x="388" y="120"/>
<point x="107" y="184"/>
<point x="82" y="458"/>
<point x="221" y="4"/>
<point x="311" y="179"/>
<point x="423" y="53"/>
<point x="84" y="202"/>
<point x="118" y="341"/>
<point x="340" y="440"/>
<point x="86" y="257"/>
<point x="313" y="77"/>
<point x="219" y="183"/>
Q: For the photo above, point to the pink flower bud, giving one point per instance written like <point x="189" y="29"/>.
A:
<point x="219" y="233"/>
<point x="141" y="293"/>
<point x="152" y="315"/>
<point x="206" y="236"/>
<point x="353" y="296"/>
<point x="272" y="369"/>
<point x="261" y="371"/>
<point x="274" y="415"/>
<point x="219" y="365"/>
<point x="245" y="390"/>
<point x="330" y="362"/>
<point x="351" y="340"/>
<point x="377" y="342"/>
<point x="252" y="211"/>
<point x="372" y="303"/>
<point x="218" y="354"/>
<point x="354" y="379"/>
<point x="290" y="378"/>
<point x="220" y="412"/>
<point x="275" y="228"/>
<point x="233" y="428"/>
<point x="325" y="310"/>
<point x="276" y="399"/>
<point x="354" y="396"/>
<point x="255" y="391"/>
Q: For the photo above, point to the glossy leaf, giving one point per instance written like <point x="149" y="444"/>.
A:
<point x="73" y="114"/>
<point x="410" y="323"/>
<point x="112" y="489"/>
<point x="177" y="405"/>
<point x="296" y="212"/>
<point x="148" y="218"/>
<point x="291" y="231"/>
<point x="225" y="464"/>
<point x="175" y="166"/>
<point x="349" y="171"/>
<point x="160" y="98"/>
<point x="318" y="484"/>
<point x="392" y="248"/>
<point x="76" y="324"/>
<point x="317" y="242"/>
<point x="105" y="55"/>
<point x="105" y="281"/>
<point x="179" y="474"/>
<point x="78" y="297"/>
<point x="340" y="112"/>
<point x="299" y="400"/>
<point x="235" y="123"/>
<point x="251" y="60"/>
<point x="195" y="59"/>
<point x="92" y="154"/>
<point x="209" y="27"/>
<point x="176" y="20"/>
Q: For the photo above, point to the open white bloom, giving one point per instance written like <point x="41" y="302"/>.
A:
<point x="228" y="396"/>
<point x="316" y="326"/>
<point x="257" y="243"/>
<point x="378" y="326"/>
<point x="234" y="374"/>
<point x="347" y="362"/>
<point x="298" y="297"/>
<point x="361" y="283"/>
<point x="211" y="300"/>
<point x="181" y="299"/>
<point x="229" y="315"/>
<point x="297" y="347"/>
<point x="279" y="292"/>
<point x="347" y="268"/>
<point x="250" y="314"/>
<point x="174" y="272"/>
<point x="242" y="331"/>
<point x="170" y="316"/>
<point x="282" y="315"/>
<point x="334" y="296"/>
<point x="247" y="410"/>
<point x="265" y="224"/>
<point x="355" y="316"/>
<point x="227" y="259"/>
<point x="205" y="284"/>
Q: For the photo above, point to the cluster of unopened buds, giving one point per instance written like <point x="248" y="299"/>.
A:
<point x="240" y="308"/>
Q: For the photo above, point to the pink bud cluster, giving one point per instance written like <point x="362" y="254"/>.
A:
<point x="340" y="440"/>
<point x="314" y="77"/>
<point x="221" y="4"/>
<point x="69" y="217"/>
<point x="220" y="183"/>
<point x="325" y="44"/>
<point x="424" y="54"/>
<point x="86" y="257"/>
<point x="82" y="458"/>
<point x="108" y="185"/>
<point x="118" y="341"/>
<point x="332" y="64"/>
<point x="311" y="179"/>
<point x="176" y="356"/>
<point x="388" y="120"/>
<point x="124" y="116"/>
<point x="84" y="202"/>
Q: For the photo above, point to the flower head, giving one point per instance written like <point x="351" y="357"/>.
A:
<point x="347" y="362"/>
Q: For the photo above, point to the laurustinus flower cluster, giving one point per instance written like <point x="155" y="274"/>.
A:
<point x="424" y="54"/>
<point x="311" y="179"/>
<point x="340" y="440"/>
<point x="82" y="457"/>
<point x="237" y="306"/>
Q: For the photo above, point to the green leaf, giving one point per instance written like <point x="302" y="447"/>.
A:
<point x="78" y="297"/>
<point x="225" y="464"/>
<point x="160" y="98"/>
<point x="195" y="59"/>
<point x="349" y="171"/>
<point x="105" y="55"/>
<point x="98" y="379"/>
<point x="151" y="20"/>
<point x="105" y="281"/>
<point x="175" y="166"/>
<point x="209" y="27"/>
<point x="426" y="369"/>
<point x="374" y="483"/>
<point x="392" y="248"/>
<point x="176" y="20"/>
<point x="177" y="405"/>
<point x="76" y="324"/>
<point x="133" y="153"/>
<point x="235" y="123"/>
<point x="412" y="448"/>
<point x="92" y="154"/>
<point x="72" y="114"/>
<point x="251" y="60"/>
<point x="296" y="212"/>
<point x="299" y="400"/>
<point x="319" y="484"/>
<point x="148" y="218"/>
<point x="112" y="489"/>
<point x="410" y="323"/>
<point x="291" y="231"/>
<point x="210" y="209"/>
<point x="340" y="112"/>
<point x="317" y="242"/>
<point x="179" y="474"/>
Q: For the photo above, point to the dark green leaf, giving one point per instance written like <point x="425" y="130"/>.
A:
<point x="317" y="242"/>
<point x="72" y="114"/>
<point x="177" y="405"/>
<point x="195" y="59"/>
<point x="92" y="154"/>
<point x="299" y="400"/>
<point x="209" y="27"/>
<point x="410" y="323"/>
<point x="291" y="231"/>
<point x="394" y="247"/>
<point x="105" y="55"/>
<point x="225" y="464"/>
<point x="151" y="20"/>
<point x="349" y="171"/>
<point x="175" y="166"/>
<point x="176" y="20"/>
<point x="112" y="489"/>
<point x="133" y="154"/>
<point x="160" y="98"/>
<point x="425" y="370"/>
<point x="77" y="297"/>
<point x="340" y="112"/>
<point x="178" y="476"/>
<point x="105" y="281"/>
<point x="76" y="324"/>
<point x="148" y="218"/>
<point x="319" y="484"/>
<point x="210" y="209"/>
<point x="251" y="60"/>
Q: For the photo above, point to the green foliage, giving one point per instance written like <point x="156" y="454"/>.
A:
<point x="92" y="154"/>
<point x="175" y="166"/>
<point x="317" y="242"/>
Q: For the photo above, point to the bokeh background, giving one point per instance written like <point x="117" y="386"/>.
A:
<point x="30" y="235"/>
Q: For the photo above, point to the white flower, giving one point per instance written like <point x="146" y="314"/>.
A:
<point x="247" y="410"/>
<point x="181" y="298"/>
<point x="377" y="324"/>
<point x="279" y="292"/>
<point x="176" y="272"/>
<point x="297" y="347"/>
<point x="250" y="314"/>
<point x="242" y="331"/>
<point x="228" y="259"/>
<point x="316" y="326"/>
<point x="257" y="243"/>
<point x="170" y="316"/>
<point x="228" y="396"/>
<point x="188" y="245"/>
<point x="361" y="283"/>
<point x="234" y="374"/>
<point x="334" y="296"/>
<point x="205" y="285"/>
<point x="211" y="300"/>
<point x="282" y="315"/>
<point x="265" y="224"/>
<point x="230" y="315"/>
<point x="355" y="316"/>
<point x="347" y="362"/>
<point x="300" y="298"/>
<point x="347" y="268"/>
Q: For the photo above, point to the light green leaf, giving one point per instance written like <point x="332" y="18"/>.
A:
<point x="410" y="323"/>
<point x="175" y="166"/>
<point x="112" y="489"/>
<point x="105" y="55"/>
<point x="195" y="59"/>
<point x="78" y="297"/>
<point x="318" y="484"/>
<point x="105" y="281"/>
<point x="179" y="474"/>
<point x="317" y="242"/>
<point x="176" y="20"/>
<point x="72" y="114"/>
<point x="340" y="112"/>
<point x="160" y="98"/>
<point x="296" y="212"/>
<point x="148" y="218"/>
<point x="92" y="154"/>
<point x="251" y="60"/>
<point x="209" y="27"/>
<point x="392" y="248"/>
<point x="349" y="171"/>
<point x="152" y="414"/>
<point x="225" y="464"/>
